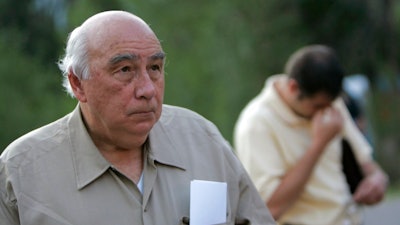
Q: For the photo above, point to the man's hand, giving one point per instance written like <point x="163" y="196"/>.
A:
<point x="326" y="124"/>
<point x="373" y="187"/>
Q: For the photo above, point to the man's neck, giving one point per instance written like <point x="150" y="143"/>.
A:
<point x="127" y="161"/>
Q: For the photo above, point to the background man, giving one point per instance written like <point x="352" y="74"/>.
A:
<point x="288" y="138"/>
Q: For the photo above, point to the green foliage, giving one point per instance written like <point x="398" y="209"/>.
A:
<point x="80" y="10"/>
<point x="36" y="29"/>
<point x="30" y="93"/>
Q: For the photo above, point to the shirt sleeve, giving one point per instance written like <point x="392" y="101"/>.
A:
<point x="259" y="153"/>
<point x="359" y="143"/>
<point x="252" y="209"/>
<point x="8" y="209"/>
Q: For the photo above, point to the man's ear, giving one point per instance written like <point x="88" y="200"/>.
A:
<point x="77" y="87"/>
<point x="293" y="87"/>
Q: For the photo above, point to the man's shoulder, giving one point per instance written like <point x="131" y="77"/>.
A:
<point x="179" y="119"/>
<point x="177" y="114"/>
<point x="257" y="110"/>
<point x="35" y="142"/>
<point x="187" y="130"/>
<point x="172" y="110"/>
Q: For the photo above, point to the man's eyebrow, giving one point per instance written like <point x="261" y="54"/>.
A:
<point x="122" y="57"/>
<point x="129" y="56"/>
<point x="157" y="56"/>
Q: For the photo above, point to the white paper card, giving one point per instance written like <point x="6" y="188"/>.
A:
<point x="207" y="202"/>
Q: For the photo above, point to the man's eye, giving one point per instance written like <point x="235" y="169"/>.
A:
<point x="124" y="73"/>
<point x="155" y="67"/>
<point x="125" y="69"/>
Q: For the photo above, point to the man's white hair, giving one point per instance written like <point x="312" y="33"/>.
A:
<point x="75" y="60"/>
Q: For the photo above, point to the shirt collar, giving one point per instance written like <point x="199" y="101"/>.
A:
<point x="277" y="104"/>
<point x="88" y="162"/>
<point x="162" y="146"/>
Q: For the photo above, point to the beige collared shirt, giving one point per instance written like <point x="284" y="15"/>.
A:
<point x="269" y="140"/>
<point x="55" y="175"/>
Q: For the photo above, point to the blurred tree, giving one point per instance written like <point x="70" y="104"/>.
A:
<point x="80" y="10"/>
<point x="28" y="95"/>
<point x="348" y="27"/>
<point x="390" y="36"/>
<point x="33" y="27"/>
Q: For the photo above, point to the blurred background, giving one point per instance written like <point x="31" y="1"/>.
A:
<point x="219" y="54"/>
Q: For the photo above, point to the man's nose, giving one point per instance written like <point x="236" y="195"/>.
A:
<point x="145" y="87"/>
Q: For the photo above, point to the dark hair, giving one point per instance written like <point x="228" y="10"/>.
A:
<point x="316" y="69"/>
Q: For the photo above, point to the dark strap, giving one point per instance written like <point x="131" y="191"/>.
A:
<point x="351" y="168"/>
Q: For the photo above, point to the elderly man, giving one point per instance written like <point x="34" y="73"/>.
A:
<point x="121" y="157"/>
